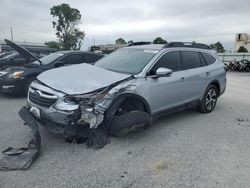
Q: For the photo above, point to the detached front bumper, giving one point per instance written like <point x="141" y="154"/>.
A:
<point x="22" y="158"/>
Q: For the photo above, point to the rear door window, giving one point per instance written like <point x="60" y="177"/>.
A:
<point x="208" y="58"/>
<point x="190" y="60"/>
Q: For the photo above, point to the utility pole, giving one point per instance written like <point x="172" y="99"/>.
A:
<point x="11" y="33"/>
<point x="94" y="41"/>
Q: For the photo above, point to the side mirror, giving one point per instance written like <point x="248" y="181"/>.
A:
<point x="59" y="64"/>
<point x="160" y="72"/>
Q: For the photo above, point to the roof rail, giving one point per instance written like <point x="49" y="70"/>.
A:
<point x="187" y="45"/>
<point x="139" y="43"/>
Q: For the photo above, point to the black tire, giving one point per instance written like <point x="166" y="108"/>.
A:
<point x="126" y="116"/>
<point x="27" y="85"/>
<point x="129" y="122"/>
<point x="209" y="99"/>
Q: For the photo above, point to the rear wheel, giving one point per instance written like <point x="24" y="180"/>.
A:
<point x="209" y="99"/>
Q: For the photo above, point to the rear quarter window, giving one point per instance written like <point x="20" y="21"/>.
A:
<point x="208" y="58"/>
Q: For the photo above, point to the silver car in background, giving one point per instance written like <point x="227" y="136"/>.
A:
<point x="128" y="89"/>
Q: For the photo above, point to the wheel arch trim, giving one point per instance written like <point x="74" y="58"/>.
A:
<point x="216" y="83"/>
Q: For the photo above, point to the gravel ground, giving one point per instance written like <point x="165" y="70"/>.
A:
<point x="187" y="149"/>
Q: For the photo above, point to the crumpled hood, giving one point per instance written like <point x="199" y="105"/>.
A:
<point x="79" y="79"/>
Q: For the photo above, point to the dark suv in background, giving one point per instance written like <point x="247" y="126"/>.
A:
<point x="16" y="79"/>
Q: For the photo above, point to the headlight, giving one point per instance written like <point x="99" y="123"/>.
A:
<point x="86" y="99"/>
<point x="2" y="73"/>
<point x="78" y="98"/>
<point x="15" y="75"/>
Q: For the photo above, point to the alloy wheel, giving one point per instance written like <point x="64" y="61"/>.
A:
<point x="211" y="99"/>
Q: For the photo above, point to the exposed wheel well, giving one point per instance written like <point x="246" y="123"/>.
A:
<point x="136" y="102"/>
<point x="129" y="100"/>
<point x="126" y="103"/>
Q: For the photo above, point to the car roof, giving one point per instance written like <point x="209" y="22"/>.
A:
<point x="175" y="45"/>
<point x="161" y="46"/>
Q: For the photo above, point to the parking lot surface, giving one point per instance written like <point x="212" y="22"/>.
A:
<point x="186" y="149"/>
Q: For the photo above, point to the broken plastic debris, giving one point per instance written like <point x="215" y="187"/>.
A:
<point x="22" y="158"/>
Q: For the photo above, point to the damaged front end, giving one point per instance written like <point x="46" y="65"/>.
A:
<point x="77" y="117"/>
<point x="93" y="106"/>
<point x="102" y="108"/>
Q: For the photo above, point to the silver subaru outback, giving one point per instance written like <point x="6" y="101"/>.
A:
<point x="128" y="89"/>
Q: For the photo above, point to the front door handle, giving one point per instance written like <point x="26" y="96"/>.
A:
<point x="207" y="74"/>
<point x="182" y="79"/>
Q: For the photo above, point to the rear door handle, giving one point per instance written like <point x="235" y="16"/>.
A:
<point x="182" y="79"/>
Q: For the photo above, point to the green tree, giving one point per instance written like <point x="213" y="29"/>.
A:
<point x="242" y="49"/>
<point x="130" y="42"/>
<point x="218" y="47"/>
<point x="120" y="41"/>
<point x="53" y="44"/>
<point x="159" y="40"/>
<point x="68" y="33"/>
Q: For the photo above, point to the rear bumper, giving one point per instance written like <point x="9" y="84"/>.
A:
<point x="223" y="86"/>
